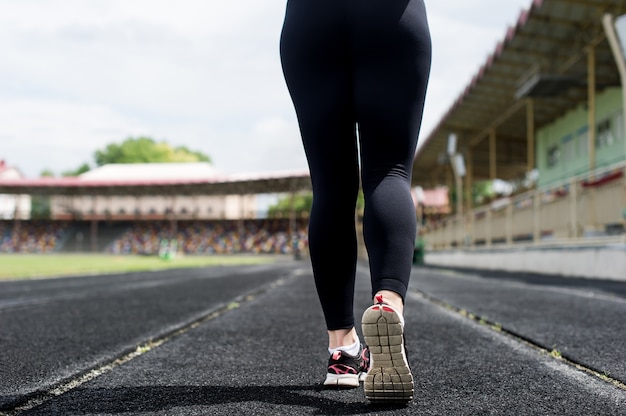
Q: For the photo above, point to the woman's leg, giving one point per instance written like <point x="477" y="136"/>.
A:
<point x="317" y="68"/>
<point x="392" y="61"/>
<point x="392" y="51"/>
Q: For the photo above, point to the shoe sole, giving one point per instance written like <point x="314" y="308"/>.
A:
<point x="389" y="379"/>
<point x="342" y="380"/>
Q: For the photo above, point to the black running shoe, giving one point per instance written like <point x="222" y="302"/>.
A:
<point x="389" y="379"/>
<point x="345" y="370"/>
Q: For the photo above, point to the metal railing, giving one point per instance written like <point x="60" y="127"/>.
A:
<point x="584" y="208"/>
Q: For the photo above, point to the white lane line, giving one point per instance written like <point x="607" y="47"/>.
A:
<point x="528" y="286"/>
<point x="509" y="335"/>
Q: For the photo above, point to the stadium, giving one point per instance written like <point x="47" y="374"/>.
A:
<point x="544" y="115"/>
<point x="105" y="212"/>
<point x="518" y="288"/>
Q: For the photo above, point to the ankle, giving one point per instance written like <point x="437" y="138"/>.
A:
<point x="392" y="299"/>
<point x="342" y="337"/>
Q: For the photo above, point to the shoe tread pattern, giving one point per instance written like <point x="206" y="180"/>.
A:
<point x="389" y="379"/>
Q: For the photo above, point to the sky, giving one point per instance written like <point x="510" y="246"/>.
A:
<point x="77" y="75"/>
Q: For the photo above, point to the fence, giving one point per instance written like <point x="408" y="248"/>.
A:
<point x="582" y="209"/>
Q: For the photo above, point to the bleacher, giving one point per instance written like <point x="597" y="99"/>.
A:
<point x="36" y="236"/>
<point x="144" y="237"/>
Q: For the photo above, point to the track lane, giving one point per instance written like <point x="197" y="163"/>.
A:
<point x="582" y="320"/>
<point x="56" y="329"/>
<point x="268" y="357"/>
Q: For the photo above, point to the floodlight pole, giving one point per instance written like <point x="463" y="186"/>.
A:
<point x="456" y="161"/>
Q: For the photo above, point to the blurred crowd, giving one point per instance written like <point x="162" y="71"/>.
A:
<point x="220" y="237"/>
<point x="270" y="236"/>
<point x="31" y="236"/>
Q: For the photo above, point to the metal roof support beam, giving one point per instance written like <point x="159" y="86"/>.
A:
<point x="574" y="59"/>
<point x="492" y="154"/>
<point x="591" y="99"/>
<point x="469" y="178"/>
<point x="498" y="121"/>
<point x="530" y="134"/>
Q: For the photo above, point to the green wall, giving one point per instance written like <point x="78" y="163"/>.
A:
<point x="562" y="146"/>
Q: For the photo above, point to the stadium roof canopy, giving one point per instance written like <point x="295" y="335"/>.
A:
<point x="211" y="185"/>
<point x="150" y="171"/>
<point x="539" y="71"/>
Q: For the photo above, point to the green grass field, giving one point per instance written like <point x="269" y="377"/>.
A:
<point x="25" y="266"/>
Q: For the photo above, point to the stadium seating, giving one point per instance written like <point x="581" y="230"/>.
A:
<point x="268" y="236"/>
<point x="38" y="236"/>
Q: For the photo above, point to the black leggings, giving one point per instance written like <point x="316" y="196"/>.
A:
<point x="364" y="63"/>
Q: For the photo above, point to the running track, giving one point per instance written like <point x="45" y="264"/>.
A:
<point x="250" y="340"/>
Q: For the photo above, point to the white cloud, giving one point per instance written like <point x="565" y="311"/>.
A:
<point x="77" y="75"/>
<point x="57" y="134"/>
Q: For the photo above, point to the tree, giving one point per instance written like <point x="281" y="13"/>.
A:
<point x="146" y="150"/>
<point x="81" y="169"/>
<point x="482" y="192"/>
<point x="302" y="204"/>
<point x="140" y="150"/>
<point x="46" y="173"/>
